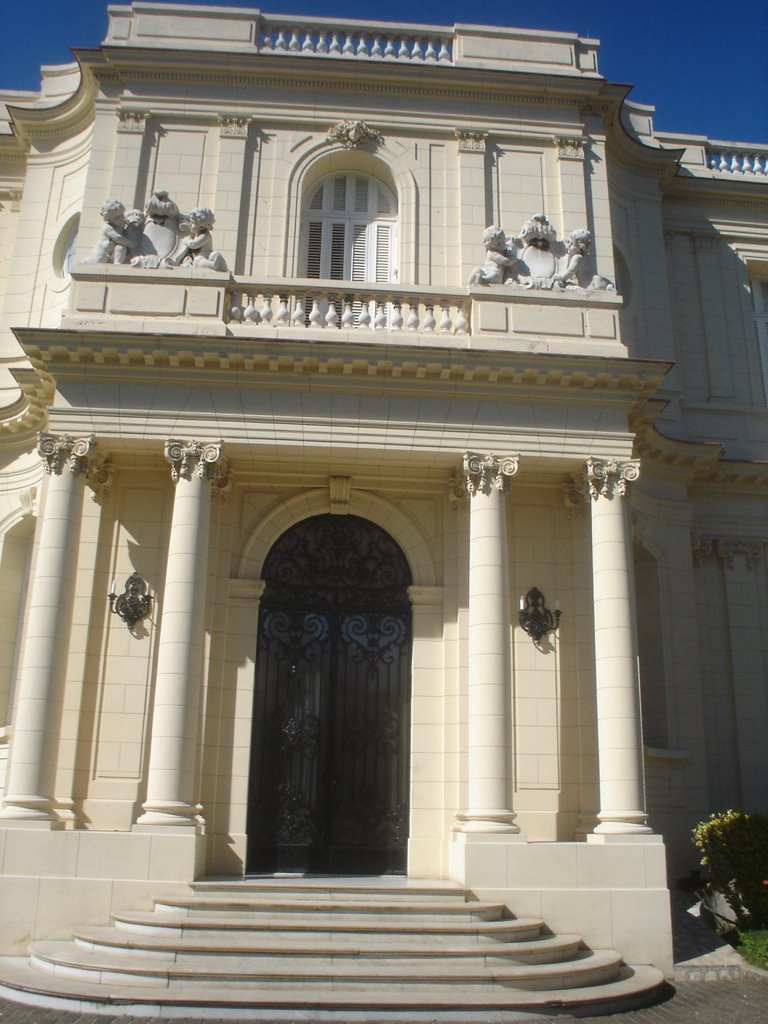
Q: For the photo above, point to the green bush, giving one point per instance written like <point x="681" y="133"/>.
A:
<point x="753" y="946"/>
<point x="734" y="848"/>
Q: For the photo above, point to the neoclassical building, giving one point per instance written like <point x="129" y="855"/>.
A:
<point x="383" y="426"/>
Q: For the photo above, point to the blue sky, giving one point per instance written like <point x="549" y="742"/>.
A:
<point x="702" y="64"/>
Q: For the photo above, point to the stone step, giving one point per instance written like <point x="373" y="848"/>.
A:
<point x="634" y="988"/>
<point x="316" y="888"/>
<point x="384" y="910"/>
<point x="548" y="949"/>
<point x="198" y="925"/>
<point x="65" y="958"/>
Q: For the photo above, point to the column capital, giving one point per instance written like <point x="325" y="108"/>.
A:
<point x="607" y="478"/>
<point x="57" y="452"/>
<point x="487" y="473"/>
<point x="192" y="458"/>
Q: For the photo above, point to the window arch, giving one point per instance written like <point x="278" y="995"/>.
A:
<point x="350" y="229"/>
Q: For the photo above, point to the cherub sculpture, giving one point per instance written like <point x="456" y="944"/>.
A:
<point x="197" y="249"/>
<point x="499" y="258"/>
<point x="577" y="245"/>
<point x="115" y="243"/>
<point x="134" y="232"/>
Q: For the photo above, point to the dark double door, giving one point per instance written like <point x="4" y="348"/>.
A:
<point x="329" y="762"/>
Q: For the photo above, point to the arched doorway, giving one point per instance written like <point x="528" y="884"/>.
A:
<point x="329" y="752"/>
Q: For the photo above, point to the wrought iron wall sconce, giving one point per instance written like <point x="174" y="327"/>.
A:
<point x="535" y="618"/>
<point x="134" y="604"/>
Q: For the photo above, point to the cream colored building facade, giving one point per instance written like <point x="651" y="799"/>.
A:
<point x="586" y="420"/>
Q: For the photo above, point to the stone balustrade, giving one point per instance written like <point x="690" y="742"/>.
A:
<point x="333" y="305"/>
<point x="752" y="163"/>
<point x="329" y="37"/>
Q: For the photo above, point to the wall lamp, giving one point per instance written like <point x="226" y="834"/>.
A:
<point x="535" y="618"/>
<point x="134" y="604"/>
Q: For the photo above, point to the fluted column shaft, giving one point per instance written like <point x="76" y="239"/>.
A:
<point x="489" y="710"/>
<point x="619" y="729"/>
<point x="30" y="790"/>
<point x="171" y="784"/>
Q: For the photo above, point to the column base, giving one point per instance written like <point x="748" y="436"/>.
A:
<point x="623" y="823"/>
<point x="176" y="815"/>
<point x="30" y="812"/>
<point x="489" y="821"/>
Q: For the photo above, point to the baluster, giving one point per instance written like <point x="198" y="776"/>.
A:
<point x="315" y="317"/>
<point x="445" y="321"/>
<point x="416" y="51"/>
<point x="380" y="320"/>
<point x="281" y="43"/>
<point x="281" y="319"/>
<point x="397" y="315"/>
<point x="403" y="53"/>
<point x="734" y="168"/>
<point x="266" y="43"/>
<point x="235" y="311"/>
<point x="431" y="53"/>
<point x="723" y="162"/>
<point x="461" y="322"/>
<point x="376" y="51"/>
<point x="331" y="317"/>
<point x="322" y="46"/>
<point x="266" y="309"/>
<point x="308" y="46"/>
<point x="251" y="314"/>
<point x="362" y="47"/>
<point x="761" y="166"/>
<point x="412" y="323"/>
<point x="348" y="316"/>
<point x="294" y="43"/>
<point x="429" y="320"/>
<point x="298" y="313"/>
<point x="349" y="48"/>
<point x="445" y="53"/>
<point x="390" y="50"/>
<point x="364" y="320"/>
<point x="335" y="48"/>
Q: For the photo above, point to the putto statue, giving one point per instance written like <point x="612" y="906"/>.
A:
<point x="197" y="249"/>
<point x="115" y="243"/>
<point x="159" y="236"/>
<point x="535" y="258"/>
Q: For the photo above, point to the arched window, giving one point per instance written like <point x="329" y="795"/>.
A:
<point x="350" y="230"/>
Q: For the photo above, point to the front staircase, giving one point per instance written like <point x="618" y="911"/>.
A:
<point x="329" y="947"/>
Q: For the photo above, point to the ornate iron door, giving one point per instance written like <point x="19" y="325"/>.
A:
<point x="329" y="753"/>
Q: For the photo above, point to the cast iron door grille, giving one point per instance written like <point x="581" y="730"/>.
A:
<point x="330" y="751"/>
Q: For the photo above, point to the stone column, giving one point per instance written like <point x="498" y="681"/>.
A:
<point x="619" y="731"/>
<point x="30" y="792"/>
<point x="171" y="788"/>
<point x="489" y="728"/>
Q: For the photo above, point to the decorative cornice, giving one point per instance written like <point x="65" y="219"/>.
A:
<point x="194" y="459"/>
<point x="607" y="478"/>
<point x="726" y="549"/>
<point x="487" y="473"/>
